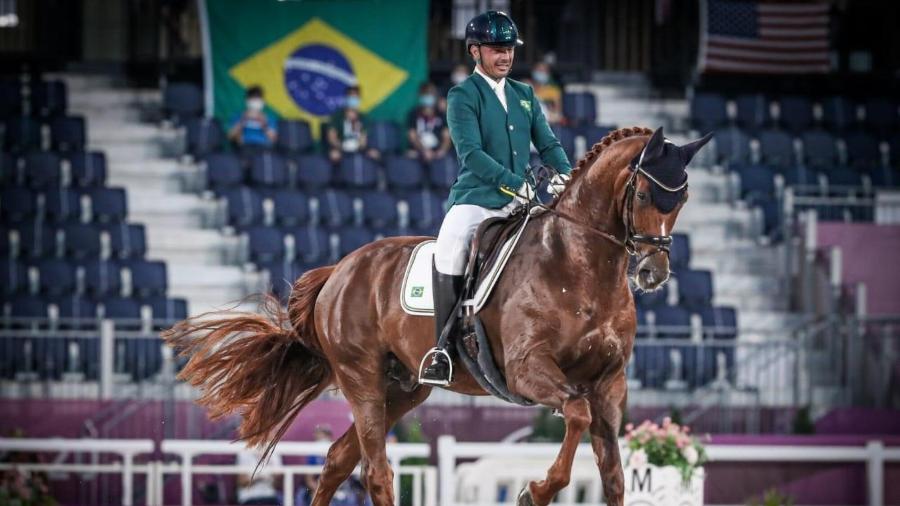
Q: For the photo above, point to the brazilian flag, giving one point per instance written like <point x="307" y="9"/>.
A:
<point x="305" y="53"/>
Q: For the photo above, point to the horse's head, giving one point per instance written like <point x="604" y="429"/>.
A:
<point x="654" y="189"/>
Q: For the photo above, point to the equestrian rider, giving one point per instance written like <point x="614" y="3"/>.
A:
<point x="493" y="121"/>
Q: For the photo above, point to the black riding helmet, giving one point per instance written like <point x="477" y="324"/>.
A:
<point x="493" y="28"/>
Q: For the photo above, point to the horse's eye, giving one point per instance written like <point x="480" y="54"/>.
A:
<point x="642" y="196"/>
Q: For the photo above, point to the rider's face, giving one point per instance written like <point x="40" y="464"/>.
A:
<point x="496" y="61"/>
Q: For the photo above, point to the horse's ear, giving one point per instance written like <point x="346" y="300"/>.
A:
<point x="690" y="149"/>
<point x="655" y="146"/>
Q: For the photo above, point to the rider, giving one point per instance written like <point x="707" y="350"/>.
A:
<point x="493" y="121"/>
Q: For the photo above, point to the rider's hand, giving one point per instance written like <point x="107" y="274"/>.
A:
<point x="558" y="184"/>
<point x="525" y="193"/>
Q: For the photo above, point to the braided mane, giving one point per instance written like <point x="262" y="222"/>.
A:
<point x="611" y="138"/>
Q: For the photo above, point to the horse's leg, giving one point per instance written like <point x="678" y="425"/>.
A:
<point x="607" y="406"/>
<point x="546" y="384"/>
<point x="344" y="453"/>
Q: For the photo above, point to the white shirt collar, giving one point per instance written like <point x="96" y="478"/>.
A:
<point x="493" y="84"/>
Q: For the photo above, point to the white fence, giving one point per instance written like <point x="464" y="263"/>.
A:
<point x="490" y="467"/>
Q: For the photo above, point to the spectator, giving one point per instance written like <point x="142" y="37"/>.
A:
<point x="429" y="138"/>
<point x="548" y="92"/>
<point x="347" y="129"/>
<point x="254" y="130"/>
<point x="263" y="488"/>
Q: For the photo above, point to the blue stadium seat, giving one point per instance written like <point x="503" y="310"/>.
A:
<point x="841" y="179"/>
<point x="282" y="276"/>
<point x="265" y="244"/>
<point x="566" y="137"/>
<point x="443" y="172"/>
<point x="148" y="278"/>
<point x="10" y="98"/>
<point x="127" y="240"/>
<point x="42" y="170"/>
<point x="335" y="208"/>
<point x="167" y="311"/>
<point x="838" y="113"/>
<point x="752" y="111"/>
<point x="719" y="322"/>
<point x="358" y="171"/>
<point x="223" y="172"/>
<point x="313" y="171"/>
<point x="404" y="173"/>
<point x="672" y="322"/>
<point x="9" y="169"/>
<point x="732" y="145"/>
<point x="102" y="278"/>
<point x="24" y="355"/>
<point x="695" y="289"/>
<point x="67" y="134"/>
<point x="49" y="98"/>
<point x="182" y="101"/>
<point x="819" y="149"/>
<point x="796" y="113"/>
<point x="383" y="136"/>
<point x="801" y="176"/>
<point x="594" y="133"/>
<point x="82" y="241"/>
<point x="426" y="210"/>
<point x="62" y="205"/>
<point x="311" y="244"/>
<point x="37" y="240"/>
<point x="17" y="205"/>
<point x="88" y="168"/>
<point x="294" y="136"/>
<point x="57" y="277"/>
<point x="23" y="134"/>
<point x="121" y="308"/>
<point x="884" y="177"/>
<point x="680" y="252"/>
<point x="268" y="170"/>
<point x="650" y="300"/>
<point x="353" y="238"/>
<point x="379" y="209"/>
<point x="108" y="204"/>
<point x="244" y="207"/>
<point x="776" y="148"/>
<point x="881" y="115"/>
<point x="771" y="211"/>
<point x="14" y="275"/>
<point x="756" y="180"/>
<point x="291" y="208"/>
<point x="204" y="136"/>
<point x="708" y="111"/>
<point x="580" y="108"/>
<point x="862" y="149"/>
<point x="72" y="307"/>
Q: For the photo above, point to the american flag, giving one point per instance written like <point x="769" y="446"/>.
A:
<point x="747" y="36"/>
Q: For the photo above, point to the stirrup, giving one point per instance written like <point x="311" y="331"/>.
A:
<point x="440" y="383"/>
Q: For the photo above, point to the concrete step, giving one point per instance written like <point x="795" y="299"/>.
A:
<point x="761" y="261"/>
<point x="191" y="245"/>
<point x="175" y="211"/>
<point x="728" y="221"/>
<point x="152" y="175"/>
<point x="128" y="150"/>
<point x="208" y="286"/>
<point x="112" y="131"/>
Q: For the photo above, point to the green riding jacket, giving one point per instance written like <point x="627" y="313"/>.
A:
<point x="493" y="145"/>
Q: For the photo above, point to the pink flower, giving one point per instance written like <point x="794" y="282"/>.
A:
<point x="629" y="427"/>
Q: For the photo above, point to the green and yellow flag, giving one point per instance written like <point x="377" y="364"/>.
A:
<point x="305" y="53"/>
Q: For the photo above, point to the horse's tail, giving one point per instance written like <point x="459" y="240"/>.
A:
<point x="257" y="364"/>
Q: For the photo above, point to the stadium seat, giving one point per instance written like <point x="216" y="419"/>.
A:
<point x="719" y="322"/>
<point x="127" y="240"/>
<point x="57" y="277"/>
<point x="102" y="278"/>
<point x="708" y="111"/>
<point x="594" y="133"/>
<point x="566" y="137"/>
<point x="843" y="179"/>
<point x="756" y="180"/>
<point x="67" y="134"/>
<point x="383" y="136"/>
<point x="14" y="275"/>
<point x="426" y="210"/>
<point x="650" y="300"/>
<point x="10" y="98"/>
<point x="800" y="175"/>
<point x="282" y="276"/>
<point x="404" y="173"/>
<point x="268" y="170"/>
<point x="121" y="308"/>
<point x="23" y="134"/>
<point x="379" y="209"/>
<point x="776" y="148"/>
<point x="17" y="205"/>
<point x="223" y="172"/>
<point x="265" y="244"/>
<point x="862" y="149"/>
<point x="580" y="108"/>
<point x="884" y="177"/>
<point x="291" y="208"/>
<point x="672" y="322"/>
<point x="88" y="168"/>
<point x="148" y="278"/>
<point x="771" y="211"/>
<point x="204" y="136"/>
<point x="732" y="145"/>
<point x="294" y="137"/>
<point x="819" y="149"/>
<point x="358" y="171"/>
<point x="695" y="289"/>
<point x="9" y="169"/>
<point x="244" y="207"/>
<point x="72" y="307"/>
<point x="313" y="171"/>
<point x="796" y="113"/>
<point x="353" y="238"/>
<point x="43" y="170"/>
<point x="442" y="172"/>
<point x="838" y="113"/>
<point x="311" y="244"/>
<point x="752" y="111"/>
<point x="62" y="205"/>
<point x="108" y="204"/>
<point x="167" y="311"/>
<point x="182" y="101"/>
<point x="881" y="115"/>
<point x="335" y="208"/>
<point x="49" y="98"/>
<point x="37" y="240"/>
<point x="680" y="252"/>
<point x="82" y="241"/>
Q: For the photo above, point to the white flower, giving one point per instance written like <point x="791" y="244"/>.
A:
<point x="638" y="458"/>
<point x="690" y="454"/>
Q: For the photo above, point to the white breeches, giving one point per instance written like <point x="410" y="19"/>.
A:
<point x="457" y="230"/>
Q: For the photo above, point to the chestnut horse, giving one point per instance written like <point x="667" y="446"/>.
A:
<point x="561" y="322"/>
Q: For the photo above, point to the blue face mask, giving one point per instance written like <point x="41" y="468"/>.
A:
<point x="352" y="102"/>
<point x="427" y="100"/>
<point x="540" y="77"/>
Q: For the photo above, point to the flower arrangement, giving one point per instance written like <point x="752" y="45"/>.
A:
<point x="668" y="444"/>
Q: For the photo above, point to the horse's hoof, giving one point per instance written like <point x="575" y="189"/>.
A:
<point x="525" y="498"/>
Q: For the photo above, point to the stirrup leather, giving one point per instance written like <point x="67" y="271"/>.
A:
<point x="441" y="383"/>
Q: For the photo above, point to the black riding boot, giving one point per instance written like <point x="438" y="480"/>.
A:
<point x="446" y="290"/>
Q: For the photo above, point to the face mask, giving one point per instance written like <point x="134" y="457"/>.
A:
<point x="458" y="77"/>
<point x="427" y="100"/>
<point x="255" y="104"/>
<point x="352" y="102"/>
<point x="540" y="77"/>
